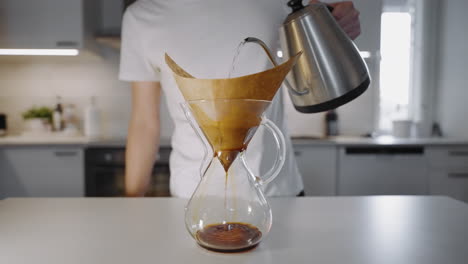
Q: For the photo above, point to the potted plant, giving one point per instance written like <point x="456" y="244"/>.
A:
<point x="38" y="119"/>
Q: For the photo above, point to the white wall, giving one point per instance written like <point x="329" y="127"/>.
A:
<point x="29" y="81"/>
<point x="453" y="68"/>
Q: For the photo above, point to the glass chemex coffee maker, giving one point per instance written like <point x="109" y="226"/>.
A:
<point x="228" y="211"/>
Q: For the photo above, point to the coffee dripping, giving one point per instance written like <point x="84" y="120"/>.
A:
<point x="228" y="211"/>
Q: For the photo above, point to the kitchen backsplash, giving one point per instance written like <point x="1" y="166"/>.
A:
<point x="114" y="111"/>
<point x="36" y="81"/>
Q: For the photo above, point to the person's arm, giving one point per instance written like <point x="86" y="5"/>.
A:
<point x="143" y="137"/>
<point x="347" y="17"/>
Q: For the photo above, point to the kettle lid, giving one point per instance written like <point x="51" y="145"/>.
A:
<point x="296" y="5"/>
<point x="299" y="10"/>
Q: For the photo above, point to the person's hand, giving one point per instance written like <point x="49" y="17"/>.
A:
<point x="347" y="17"/>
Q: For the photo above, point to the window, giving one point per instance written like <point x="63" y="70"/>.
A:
<point x="395" y="97"/>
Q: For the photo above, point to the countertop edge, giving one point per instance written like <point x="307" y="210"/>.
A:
<point x="70" y="142"/>
<point x="166" y="142"/>
<point x="380" y="142"/>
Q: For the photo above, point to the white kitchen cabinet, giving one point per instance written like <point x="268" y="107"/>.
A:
<point x="41" y="172"/>
<point x="47" y="24"/>
<point x="382" y="170"/>
<point x="448" y="157"/>
<point x="317" y="165"/>
<point x="452" y="183"/>
<point x="449" y="171"/>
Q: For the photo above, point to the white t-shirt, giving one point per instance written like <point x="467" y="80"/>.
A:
<point x="202" y="37"/>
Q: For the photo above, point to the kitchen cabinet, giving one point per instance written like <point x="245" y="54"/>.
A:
<point x="449" y="171"/>
<point x="111" y="17"/>
<point x="382" y="170"/>
<point x="41" y="171"/>
<point x="317" y="165"/>
<point x="48" y="24"/>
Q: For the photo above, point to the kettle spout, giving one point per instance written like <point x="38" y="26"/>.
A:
<point x="273" y="61"/>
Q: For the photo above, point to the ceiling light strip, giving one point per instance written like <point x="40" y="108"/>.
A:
<point x="40" y="52"/>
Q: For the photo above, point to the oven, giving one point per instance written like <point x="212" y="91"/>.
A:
<point x="105" y="172"/>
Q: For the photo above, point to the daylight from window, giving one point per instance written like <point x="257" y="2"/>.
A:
<point x="395" y="50"/>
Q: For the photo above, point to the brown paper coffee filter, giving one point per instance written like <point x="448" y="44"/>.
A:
<point x="260" y="86"/>
<point x="227" y="121"/>
<point x="228" y="125"/>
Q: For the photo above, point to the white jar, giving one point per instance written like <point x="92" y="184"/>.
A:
<point x="402" y="128"/>
<point x="92" y="120"/>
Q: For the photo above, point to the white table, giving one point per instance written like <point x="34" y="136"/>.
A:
<point x="396" y="230"/>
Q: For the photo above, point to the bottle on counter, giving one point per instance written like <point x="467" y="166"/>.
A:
<point x="436" y="130"/>
<point x="331" y="123"/>
<point x="69" y="120"/>
<point x="3" y="125"/>
<point x="92" y="120"/>
<point x="57" y="120"/>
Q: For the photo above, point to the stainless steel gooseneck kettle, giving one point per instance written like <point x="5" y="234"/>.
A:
<point x="330" y="72"/>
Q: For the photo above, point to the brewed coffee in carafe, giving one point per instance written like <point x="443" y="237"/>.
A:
<point x="228" y="211"/>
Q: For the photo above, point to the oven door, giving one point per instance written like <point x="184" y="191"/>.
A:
<point x="105" y="173"/>
<point x="106" y="181"/>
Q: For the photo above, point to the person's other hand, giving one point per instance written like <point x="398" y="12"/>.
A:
<point x="347" y="17"/>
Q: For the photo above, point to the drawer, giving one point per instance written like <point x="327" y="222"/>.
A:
<point x="448" y="157"/>
<point x="452" y="183"/>
<point x="317" y="165"/>
<point x="382" y="171"/>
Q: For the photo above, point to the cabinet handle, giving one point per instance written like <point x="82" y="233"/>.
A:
<point x="297" y="153"/>
<point x="65" y="153"/>
<point x="458" y="153"/>
<point x="458" y="175"/>
<point x="385" y="150"/>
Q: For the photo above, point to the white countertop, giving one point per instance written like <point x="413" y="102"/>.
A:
<point x="383" y="141"/>
<point x="54" y="139"/>
<point x="386" y="229"/>
<point x="57" y="139"/>
<point x="44" y="139"/>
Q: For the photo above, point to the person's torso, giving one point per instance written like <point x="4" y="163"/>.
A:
<point x="202" y="37"/>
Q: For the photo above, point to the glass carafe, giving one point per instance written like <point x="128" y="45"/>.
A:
<point x="228" y="211"/>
